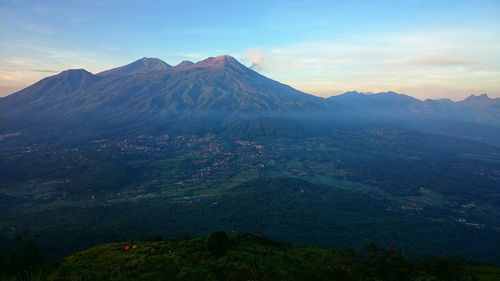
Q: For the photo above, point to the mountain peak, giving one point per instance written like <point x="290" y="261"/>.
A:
<point x="59" y="85"/>
<point x="353" y="93"/>
<point x="79" y="71"/>
<point x="219" y="62"/>
<point x="370" y="94"/>
<point x="139" y="66"/>
<point x="147" y="60"/>
<point x="390" y="93"/>
<point x="479" y="101"/>
<point x="184" y="64"/>
<point x="74" y="76"/>
<point x="478" y="97"/>
<point x="152" y="64"/>
<point x="443" y="101"/>
<point x="225" y="58"/>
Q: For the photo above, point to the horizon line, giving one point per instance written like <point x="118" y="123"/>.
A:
<point x="367" y="92"/>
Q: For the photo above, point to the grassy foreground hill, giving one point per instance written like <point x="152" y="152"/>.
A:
<point x="244" y="257"/>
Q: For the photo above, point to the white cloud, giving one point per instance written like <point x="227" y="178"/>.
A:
<point x="30" y="64"/>
<point x="451" y="63"/>
<point x="256" y="57"/>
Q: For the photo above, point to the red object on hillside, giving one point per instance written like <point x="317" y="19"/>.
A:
<point x="126" y="248"/>
<point x="392" y="248"/>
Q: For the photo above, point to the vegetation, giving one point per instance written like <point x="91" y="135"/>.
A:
<point x="427" y="194"/>
<point x="241" y="257"/>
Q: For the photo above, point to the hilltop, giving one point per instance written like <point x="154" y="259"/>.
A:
<point x="250" y="257"/>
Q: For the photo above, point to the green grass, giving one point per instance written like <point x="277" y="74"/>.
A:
<point x="244" y="257"/>
<point x="485" y="273"/>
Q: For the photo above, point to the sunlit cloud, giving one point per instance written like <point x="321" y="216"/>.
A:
<point x="320" y="49"/>
<point x="44" y="70"/>
<point x="37" y="62"/>
<point x="255" y="57"/>
<point x="443" y="60"/>
<point x="425" y="65"/>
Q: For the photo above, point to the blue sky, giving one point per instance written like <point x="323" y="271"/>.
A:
<point x="427" y="49"/>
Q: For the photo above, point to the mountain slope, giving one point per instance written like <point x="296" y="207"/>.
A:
<point x="217" y="94"/>
<point x="43" y="100"/>
<point x="380" y="103"/>
<point x="51" y="88"/>
<point x="481" y="110"/>
<point x="150" y="93"/>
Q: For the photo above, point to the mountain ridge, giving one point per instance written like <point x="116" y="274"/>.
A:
<point x="147" y="64"/>
<point x="213" y="94"/>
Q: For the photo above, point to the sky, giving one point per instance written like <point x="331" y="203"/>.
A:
<point x="426" y="49"/>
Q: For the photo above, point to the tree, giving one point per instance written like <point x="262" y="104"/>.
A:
<point x="218" y="243"/>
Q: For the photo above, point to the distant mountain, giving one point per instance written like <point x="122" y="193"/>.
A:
<point x="383" y="100"/>
<point x="481" y="100"/>
<point x="141" y="66"/>
<point x="50" y="90"/>
<point x="150" y="94"/>
<point x="380" y="103"/>
<point x="476" y="109"/>
<point x="218" y="94"/>
<point x="481" y="109"/>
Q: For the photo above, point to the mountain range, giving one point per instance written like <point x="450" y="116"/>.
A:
<point x="216" y="94"/>
<point x="152" y="149"/>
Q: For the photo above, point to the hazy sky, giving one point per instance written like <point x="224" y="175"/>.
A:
<point x="427" y="49"/>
